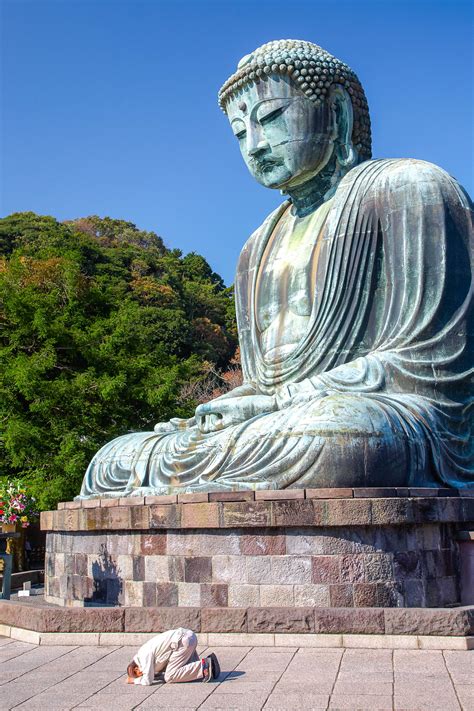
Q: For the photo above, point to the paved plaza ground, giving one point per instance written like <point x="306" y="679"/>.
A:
<point x="46" y="677"/>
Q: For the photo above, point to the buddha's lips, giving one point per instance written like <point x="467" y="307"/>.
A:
<point x="265" y="165"/>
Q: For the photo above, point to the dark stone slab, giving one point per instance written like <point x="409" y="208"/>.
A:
<point x="197" y="570"/>
<point x="166" y="594"/>
<point x="349" y="621"/>
<point x="214" y="595"/>
<point x="294" y="513"/>
<point x="232" y="496"/>
<point x="219" y="619"/>
<point x="425" y="621"/>
<point x="280" y="619"/>
<point x="160" y="619"/>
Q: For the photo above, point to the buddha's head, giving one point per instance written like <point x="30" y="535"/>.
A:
<point x="294" y="108"/>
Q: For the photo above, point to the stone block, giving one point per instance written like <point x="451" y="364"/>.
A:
<point x="214" y="595"/>
<point x="365" y="594"/>
<point x="162" y="499"/>
<point x="149" y="594"/>
<point x="388" y="595"/>
<point x="197" y="569"/>
<point x="156" y="568"/>
<point x="73" y="504"/>
<point x="291" y="569"/>
<point x="89" y="503"/>
<point x="243" y="595"/>
<point x="278" y="494"/>
<point x="244" y="639"/>
<point x="161" y="619"/>
<point x="341" y="595"/>
<point x="353" y="569"/>
<point x="189" y="594"/>
<point x="311" y="595"/>
<point x="378" y="568"/>
<point x="76" y="519"/>
<point x="423" y="491"/>
<point x="165" y="516"/>
<point x="153" y="543"/>
<point x="106" y="503"/>
<point x="140" y="517"/>
<point x="131" y="501"/>
<point x="245" y="514"/>
<point x="277" y="596"/>
<point x="429" y="621"/>
<point x="167" y="594"/>
<point x="125" y="567"/>
<point x="326" y="569"/>
<point x="294" y="513"/>
<point x="197" y="497"/>
<point x="317" y="641"/>
<point x="218" y="619"/>
<point x="232" y="496"/>
<point x="80" y="564"/>
<point x="330" y="541"/>
<point x="345" y="512"/>
<point x="229" y="568"/>
<point x="349" y="621"/>
<point x="413" y="593"/>
<point x="176" y="568"/>
<point x="118" y="544"/>
<point x="190" y="543"/>
<point x="117" y="517"/>
<point x="281" y="619"/>
<point x="387" y="512"/>
<point x="133" y="593"/>
<point x="200" y="515"/>
<point x="267" y="543"/>
<point x="338" y="493"/>
<point x="259" y="570"/>
<point x="374" y="492"/>
<point x="138" y="567"/>
<point x="406" y="564"/>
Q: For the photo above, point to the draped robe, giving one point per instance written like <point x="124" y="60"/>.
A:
<point x="378" y="391"/>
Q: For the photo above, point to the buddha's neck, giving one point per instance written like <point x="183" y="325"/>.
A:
<point x="308" y="196"/>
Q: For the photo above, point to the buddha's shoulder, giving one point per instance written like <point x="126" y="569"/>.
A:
<point x="399" y="173"/>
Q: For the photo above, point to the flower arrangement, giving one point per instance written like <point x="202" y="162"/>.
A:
<point x="16" y="506"/>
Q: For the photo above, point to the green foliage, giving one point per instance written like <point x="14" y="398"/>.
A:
<point x="100" y="327"/>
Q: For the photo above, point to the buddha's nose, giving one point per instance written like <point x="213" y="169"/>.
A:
<point x="256" y="143"/>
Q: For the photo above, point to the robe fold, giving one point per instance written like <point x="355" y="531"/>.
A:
<point x="378" y="391"/>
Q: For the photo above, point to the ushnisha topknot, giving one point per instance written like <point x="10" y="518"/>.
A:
<point x="313" y="71"/>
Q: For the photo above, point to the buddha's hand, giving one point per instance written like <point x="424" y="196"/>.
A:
<point x="174" y="425"/>
<point x="219" y="414"/>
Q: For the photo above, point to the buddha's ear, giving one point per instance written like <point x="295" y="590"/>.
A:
<point x="343" y="117"/>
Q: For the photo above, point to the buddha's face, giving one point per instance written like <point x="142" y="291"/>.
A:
<point x="283" y="137"/>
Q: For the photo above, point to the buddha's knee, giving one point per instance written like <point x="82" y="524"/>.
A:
<point x="361" y="445"/>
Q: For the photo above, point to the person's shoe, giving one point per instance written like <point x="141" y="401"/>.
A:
<point x="216" y="665"/>
<point x="208" y="669"/>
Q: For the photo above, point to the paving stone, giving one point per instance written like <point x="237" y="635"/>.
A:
<point x="294" y="700"/>
<point x="357" y="701"/>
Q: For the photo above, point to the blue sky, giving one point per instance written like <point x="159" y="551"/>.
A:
<point x="109" y="106"/>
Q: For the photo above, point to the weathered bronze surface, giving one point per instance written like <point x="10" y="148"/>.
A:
<point x="354" y="304"/>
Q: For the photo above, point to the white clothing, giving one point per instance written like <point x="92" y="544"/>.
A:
<point x="170" y="651"/>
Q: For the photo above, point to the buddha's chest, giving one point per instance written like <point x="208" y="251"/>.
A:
<point x="286" y="278"/>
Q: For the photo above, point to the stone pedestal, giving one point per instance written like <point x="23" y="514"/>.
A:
<point x="290" y="549"/>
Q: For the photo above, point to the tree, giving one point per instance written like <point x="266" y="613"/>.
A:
<point x="101" y="328"/>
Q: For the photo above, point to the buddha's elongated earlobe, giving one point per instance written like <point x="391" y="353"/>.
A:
<point x="341" y="103"/>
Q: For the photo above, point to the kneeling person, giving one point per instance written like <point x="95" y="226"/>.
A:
<point x="173" y="652"/>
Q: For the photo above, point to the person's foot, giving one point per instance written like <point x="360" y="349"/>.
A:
<point x="217" y="668"/>
<point x="210" y="668"/>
